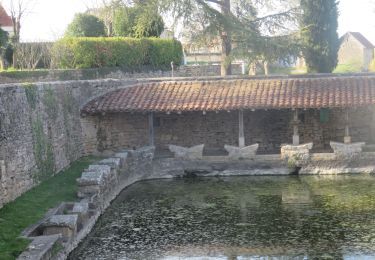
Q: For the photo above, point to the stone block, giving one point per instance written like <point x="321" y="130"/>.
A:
<point x="66" y="225"/>
<point x="114" y="163"/>
<point x="123" y="156"/>
<point x="195" y="152"/>
<point x="104" y="169"/>
<point x="247" y="152"/>
<point x="296" y="155"/>
<point x="89" y="178"/>
<point x="82" y="210"/>
<point x="347" y="152"/>
<point x="89" y="191"/>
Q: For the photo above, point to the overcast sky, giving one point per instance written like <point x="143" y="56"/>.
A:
<point x="49" y="18"/>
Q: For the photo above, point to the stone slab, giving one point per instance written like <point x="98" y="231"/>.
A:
<point x="39" y="248"/>
<point x="69" y="221"/>
<point x="195" y="152"/>
<point x="347" y="151"/>
<point x="104" y="169"/>
<point x="296" y="155"/>
<point x="91" y="178"/>
<point x="112" y="162"/>
<point x="247" y="152"/>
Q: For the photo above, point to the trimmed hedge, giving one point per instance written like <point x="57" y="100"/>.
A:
<point x="128" y="53"/>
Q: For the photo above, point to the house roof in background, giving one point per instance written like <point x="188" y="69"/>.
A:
<point x="235" y="94"/>
<point x="5" y="19"/>
<point x="362" y="39"/>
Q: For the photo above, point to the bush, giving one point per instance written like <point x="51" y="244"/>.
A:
<point x="353" y="67"/>
<point x="128" y="53"/>
<point x="371" y="68"/>
<point x="85" y="25"/>
<point x="138" y="21"/>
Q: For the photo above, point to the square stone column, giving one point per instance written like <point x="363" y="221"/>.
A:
<point x="241" y="132"/>
<point x="295" y="128"/>
<point x="347" y="137"/>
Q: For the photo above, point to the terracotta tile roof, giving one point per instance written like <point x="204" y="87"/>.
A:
<point x="5" y="19"/>
<point x="238" y="94"/>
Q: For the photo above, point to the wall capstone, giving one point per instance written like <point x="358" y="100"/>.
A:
<point x="296" y="155"/>
<point x="247" y="152"/>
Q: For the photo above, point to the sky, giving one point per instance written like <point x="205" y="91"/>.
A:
<point x="49" y="18"/>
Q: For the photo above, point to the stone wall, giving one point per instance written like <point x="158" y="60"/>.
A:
<point x="112" y="73"/>
<point x="40" y="130"/>
<point x="269" y="128"/>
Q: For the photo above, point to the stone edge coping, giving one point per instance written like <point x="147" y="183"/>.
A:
<point x="53" y="214"/>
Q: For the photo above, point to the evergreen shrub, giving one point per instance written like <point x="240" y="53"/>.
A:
<point x="128" y="53"/>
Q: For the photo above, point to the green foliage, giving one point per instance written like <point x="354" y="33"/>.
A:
<point x="348" y="68"/>
<point x="32" y="205"/>
<point x="128" y="53"/>
<point x="3" y="38"/>
<point x="124" y="21"/>
<point x="319" y="35"/>
<point x="163" y="51"/>
<point x="372" y="66"/>
<point x="149" y="24"/>
<point x="137" y="21"/>
<point x="85" y="25"/>
<point x="3" y="46"/>
<point x="56" y="248"/>
<point x="240" y="22"/>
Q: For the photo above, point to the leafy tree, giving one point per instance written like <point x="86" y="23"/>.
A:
<point x="3" y="47"/>
<point x="124" y="21"/>
<point x="236" y="22"/>
<point x="138" y="21"/>
<point x="148" y="24"/>
<point x="85" y="25"/>
<point x="319" y="34"/>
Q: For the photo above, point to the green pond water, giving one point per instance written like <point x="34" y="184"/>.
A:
<point x="238" y="218"/>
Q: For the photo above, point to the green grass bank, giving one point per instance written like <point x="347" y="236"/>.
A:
<point x="32" y="205"/>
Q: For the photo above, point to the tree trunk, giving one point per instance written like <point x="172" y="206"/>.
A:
<point x="253" y="69"/>
<point x="226" y="43"/>
<point x="266" y="67"/>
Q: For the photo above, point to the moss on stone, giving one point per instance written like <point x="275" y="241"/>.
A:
<point x="31" y="91"/>
<point x="43" y="152"/>
<point x="49" y="100"/>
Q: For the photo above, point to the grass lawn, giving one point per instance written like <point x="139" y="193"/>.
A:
<point x="32" y="205"/>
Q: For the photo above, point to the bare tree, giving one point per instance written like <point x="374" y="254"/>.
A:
<point x="32" y="55"/>
<point x="18" y="10"/>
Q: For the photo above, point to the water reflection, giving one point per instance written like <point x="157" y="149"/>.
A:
<point x="238" y="218"/>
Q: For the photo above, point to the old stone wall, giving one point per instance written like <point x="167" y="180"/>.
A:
<point x="111" y="73"/>
<point x="40" y="130"/>
<point x="270" y="129"/>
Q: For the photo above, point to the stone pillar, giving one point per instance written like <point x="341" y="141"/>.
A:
<point x="347" y="137"/>
<point x="151" y="131"/>
<point x="295" y="128"/>
<point x="372" y="128"/>
<point x="241" y="133"/>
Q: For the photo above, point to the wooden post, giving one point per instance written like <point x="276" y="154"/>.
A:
<point x="347" y="138"/>
<point x="295" y="128"/>
<point x="241" y="133"/>
<point x="151" y="132"/>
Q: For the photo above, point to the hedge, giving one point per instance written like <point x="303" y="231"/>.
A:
<point x="128" y="53"/>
